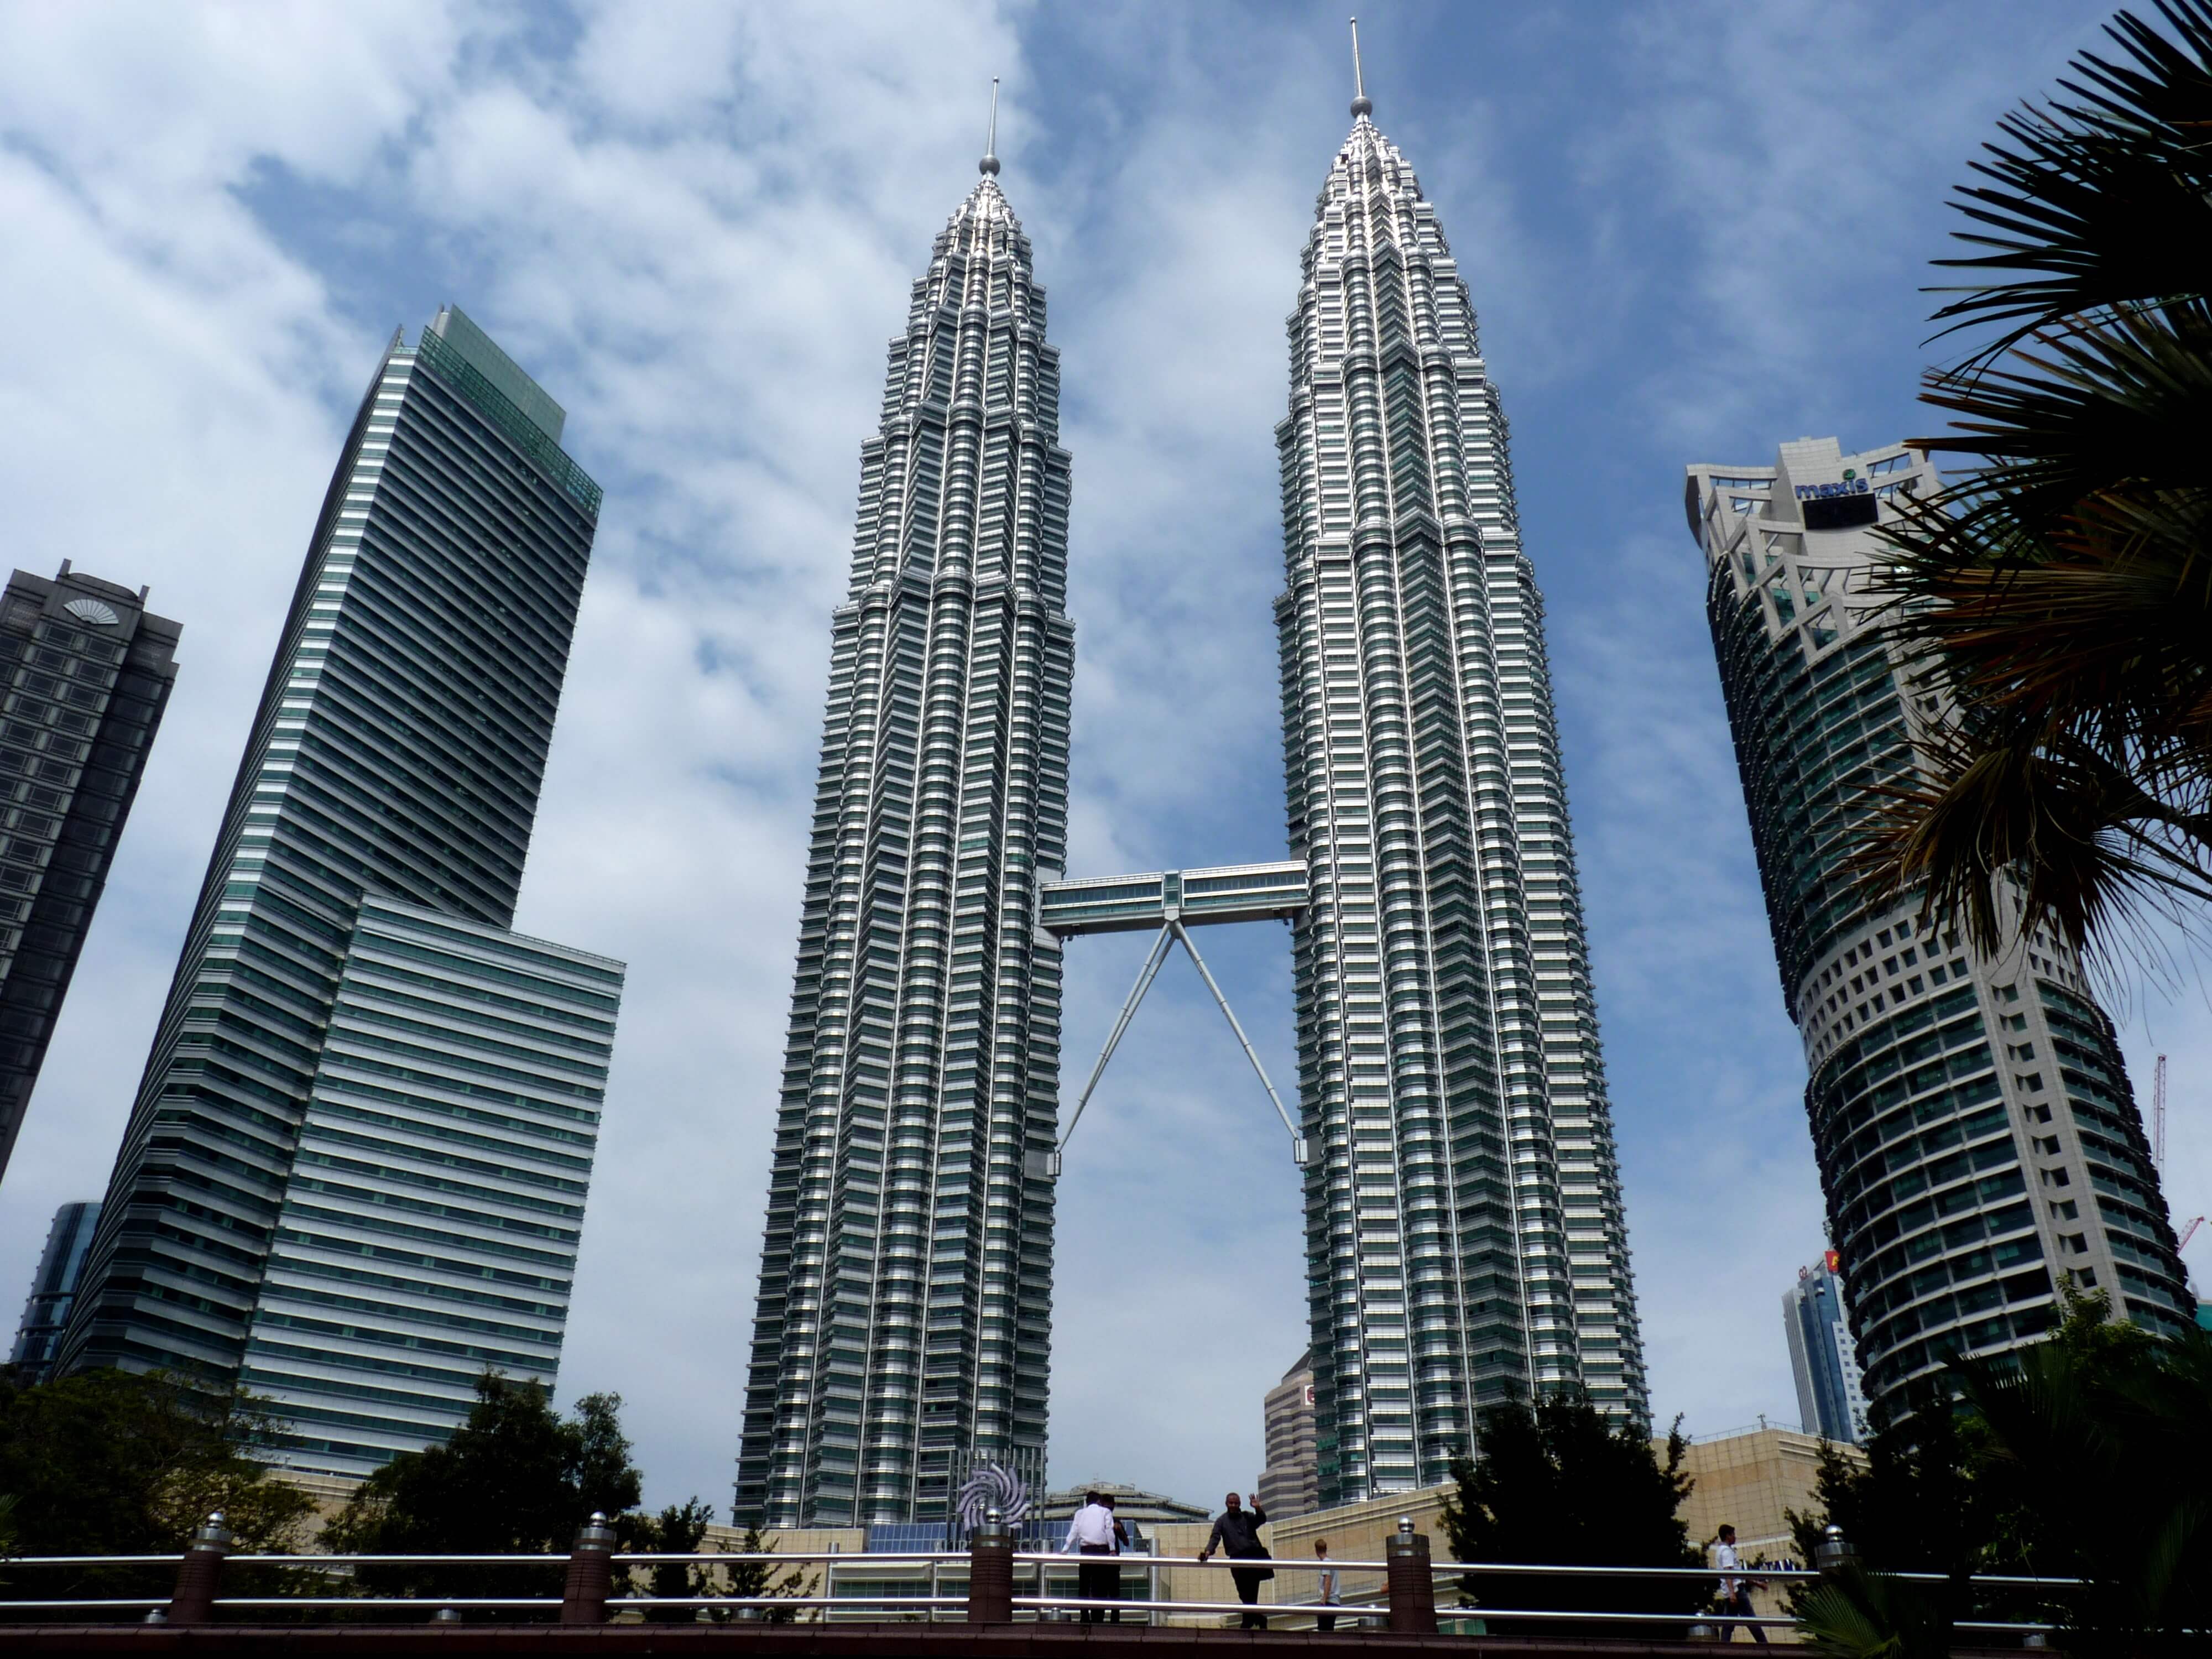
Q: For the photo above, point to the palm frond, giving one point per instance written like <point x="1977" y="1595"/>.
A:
<point x="2105" y="197"/>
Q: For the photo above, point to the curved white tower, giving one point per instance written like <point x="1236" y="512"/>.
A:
<point x="905" y="1305"/>
<point x="1465" y="1236"/>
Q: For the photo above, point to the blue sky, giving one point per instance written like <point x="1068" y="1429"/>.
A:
<point x="1691" y="231"/>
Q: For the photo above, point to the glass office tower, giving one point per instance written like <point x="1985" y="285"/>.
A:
<point x="1823" y="1359"/>
<point x="1975" y="1126"/>
<point x="1465" y="1235"/>
<point x="85" y="673"/>
<point x="53" y="1287"/>
<point x="391" y="778"/>
<point x="904" y="1327"/>
<point x="422" y="1242"/>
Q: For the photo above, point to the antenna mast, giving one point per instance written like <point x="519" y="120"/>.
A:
<point x="989" y="165"/>
<point x="1361" y="104"/>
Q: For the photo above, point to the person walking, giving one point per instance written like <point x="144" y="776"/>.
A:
<point x="1120" y="1543"/>
<point x="1736" y="1593"/>
<point x="1091" y="1531"/>
<point x="1328" y="1596"/>
<point x="1237" y="1534"/>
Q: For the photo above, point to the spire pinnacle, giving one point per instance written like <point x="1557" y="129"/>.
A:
<point x="989" y="167"/>
<point x="1361" y="103"/>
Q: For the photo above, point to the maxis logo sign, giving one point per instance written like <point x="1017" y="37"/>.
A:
<point x="1851" y="485"/>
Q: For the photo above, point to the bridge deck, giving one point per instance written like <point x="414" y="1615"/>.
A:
<point x="1120" y="904"/>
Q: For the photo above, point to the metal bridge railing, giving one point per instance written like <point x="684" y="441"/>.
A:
<point x="982" y="1590"/>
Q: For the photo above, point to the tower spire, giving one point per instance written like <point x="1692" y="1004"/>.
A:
<point x="1361" y="103"/>
<point x="989" y="167"/>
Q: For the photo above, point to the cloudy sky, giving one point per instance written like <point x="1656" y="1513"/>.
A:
<point x="1691" y="230"/>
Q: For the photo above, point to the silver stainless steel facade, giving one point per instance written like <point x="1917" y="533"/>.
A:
<point x="1466" y="1242"/>
<point x="1976" y="1129"/>
<point x="396" y="756"/>
<point x="904" y="1317"/>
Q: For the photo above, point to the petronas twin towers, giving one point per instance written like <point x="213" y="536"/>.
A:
<point x="1465" y="1240"/>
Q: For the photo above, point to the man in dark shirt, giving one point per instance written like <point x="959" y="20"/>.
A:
<point x="1237" y="1534"/>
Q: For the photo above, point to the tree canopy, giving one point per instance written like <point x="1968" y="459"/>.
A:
<point x="112" y="1462"/>
<point x="2087" y="1455"/>
<point x="1559" y="1482"/>
<point x="515" y="1478"/>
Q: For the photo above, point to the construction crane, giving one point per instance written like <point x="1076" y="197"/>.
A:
<point x="2158" y="1118"/>
<point x="2188" y="1233"/>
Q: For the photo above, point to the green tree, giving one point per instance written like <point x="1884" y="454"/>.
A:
<point x="2087" y="1455"/>
<point x="2063" y="586"/>
<point x="2097" y="1461"/>
<point x="1915" y="1507"/>
<point x="759" y="1580"/>
<point x="1561" y="1483"/>
<point x="111" y="1462"/>
<point x="677" y="1530"/>
<point x="515" y="1479"/>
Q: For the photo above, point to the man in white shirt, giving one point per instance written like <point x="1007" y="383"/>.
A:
<point x="1736" y="1593"/>
<point x="1091" y="1531"/>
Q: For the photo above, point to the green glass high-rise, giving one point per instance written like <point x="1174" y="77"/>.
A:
<point x="391" y="778"/>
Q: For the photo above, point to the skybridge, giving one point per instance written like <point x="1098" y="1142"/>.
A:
<point x="1173" y="902"/>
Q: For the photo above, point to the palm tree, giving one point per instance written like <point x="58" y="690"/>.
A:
<point x="2063" y="585"/>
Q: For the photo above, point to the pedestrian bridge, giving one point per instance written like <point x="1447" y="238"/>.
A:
<point x="1125" y="904"/>
<point x="1174" y="901"/>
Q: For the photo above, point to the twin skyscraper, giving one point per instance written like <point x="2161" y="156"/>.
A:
<point x="1465" y="1236"/>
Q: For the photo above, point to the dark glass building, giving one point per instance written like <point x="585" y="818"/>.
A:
<point x="53" y="1287"/>
<point x="1977" y="1133"/>
<point x="85" y="673"/>
<point x="391" y="778"/>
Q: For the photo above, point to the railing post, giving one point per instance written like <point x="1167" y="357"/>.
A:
<point x="991" y="1571"/>
<point x="591" y="1574"/>
<point x="1834" y="1557"/>
<point x="1412" y="1586"/>
<point x="199" y="1575"/>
